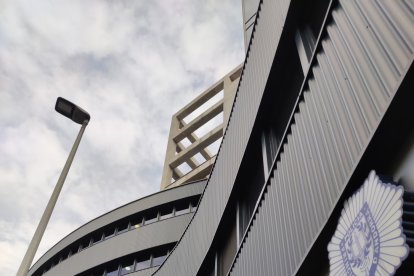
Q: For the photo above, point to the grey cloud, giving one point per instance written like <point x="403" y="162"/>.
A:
<point x="131" y="64"/>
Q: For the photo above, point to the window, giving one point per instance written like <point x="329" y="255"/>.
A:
<point x="143" y="265"/>
<point x="109" y="233"/>
<point x="96" y="238"/>
<point x="136" y="222"/>
<point x="151" y="219"/>
<point x="228" y="248"/>
<point x="64" y="257"/>
<point x="404" y="165"/>
<point x="84" y="244"/>
<point x="182" y="208"/>
<point x="305" y="42"/>
<point x="166" y="212"/>
<point x="128" y="264"/>
<point x="194" y="203"/>
<point x="310" y="21"/>
<point x="269" y="148"/>
<point x="123" y="227"/>
<point x="112" y="271"/>
<point x="127" y="267"/>
<point x="73" y="249"/>
<point x="252" y="182"/>
<point x="157" y="261"/>
<point x="182" y="212"/>
<point x="136" y="225"/>
<point x="169" y="215"/>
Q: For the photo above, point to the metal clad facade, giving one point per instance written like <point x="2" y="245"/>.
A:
<point x="367" y="51"/>
<point x="364" y="55"/>
<point x="158" y="229"/>
<point x="143" y="238"/>
<point x="190" y="252"/>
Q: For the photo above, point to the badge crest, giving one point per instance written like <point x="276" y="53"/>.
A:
<point x="369" y="239"/>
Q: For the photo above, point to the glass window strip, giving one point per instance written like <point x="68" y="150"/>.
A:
<point x="130" y="227"/>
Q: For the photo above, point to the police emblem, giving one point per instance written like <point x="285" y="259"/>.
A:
<point x="369" y="239"/>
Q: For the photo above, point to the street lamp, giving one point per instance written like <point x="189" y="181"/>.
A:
<point x="72" y="111"/>
<point x="80" y="116"/>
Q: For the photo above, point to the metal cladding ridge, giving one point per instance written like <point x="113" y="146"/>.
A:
<point x="363" y="58"/>
<point x="196" y="240"/>
<point x="365" y="55"/>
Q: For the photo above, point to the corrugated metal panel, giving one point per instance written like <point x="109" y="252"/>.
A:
<point x="368" y="49"/>
<point x="196" y="241"/>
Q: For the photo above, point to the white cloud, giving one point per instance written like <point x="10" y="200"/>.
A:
<point x="131" y="64"/>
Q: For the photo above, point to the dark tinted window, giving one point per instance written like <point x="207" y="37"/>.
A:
<point x="143" y="265"/>
<point x="84" y="244"/>
<point x="185" y="210"/>
<point x="127" y="267"/>
<point x="97" y="238"/>
<point x="136" y="222"/>
<point x="157" y="261"/>
<point x="123" y="227"/>
<point x="151" y="218"/>
<point x="109" y="233"/>
<point x="112" y="271"/>
<point x="168" y="213"/>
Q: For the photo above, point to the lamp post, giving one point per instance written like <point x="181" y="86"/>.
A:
<point x="80" y="116"/>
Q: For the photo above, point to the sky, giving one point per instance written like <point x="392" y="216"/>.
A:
<point x="131" y="65"/>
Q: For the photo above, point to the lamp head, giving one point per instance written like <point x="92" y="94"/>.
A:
<point x="72" y="111"/>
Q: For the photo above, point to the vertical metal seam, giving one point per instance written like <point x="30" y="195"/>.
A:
<point x="334" y="63"/>
<point x="340" y="51"/>
<point x="352" y="49"/>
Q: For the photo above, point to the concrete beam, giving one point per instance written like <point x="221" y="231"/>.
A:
<point x="170" y="153"/>
<point x="177" y="174"/>
<point x="199" y="173"/>
<point x="192" y="162"/>
<point x="199" y="121"/>
<point x="200" y="100"/>
<point x="235" y="74"/>
<point x="208" y="93"/>
<point x="206" y="140"/>
<point x="177" y="153"/>
<point x="193" y="138"/>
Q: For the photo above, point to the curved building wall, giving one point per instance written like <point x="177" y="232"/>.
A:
<point x="327" y="120"/>
<point x="149" y="236"/>
<point x="196" y="242"/>
<point x="364" y="56"/>
<point x="363" y="53"/>
<point x="144" y="238"/>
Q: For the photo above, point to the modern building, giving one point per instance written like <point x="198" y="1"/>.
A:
<point x="324" y="99"/>
<point x="134" y="238"/>
<point x="207" y="114"/>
